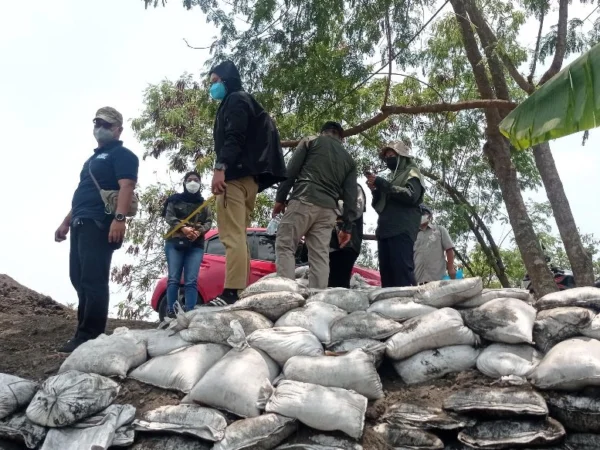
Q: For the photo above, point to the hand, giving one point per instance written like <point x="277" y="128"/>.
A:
<point x="451" y="272"/>
<point x="343" y="238"/>
<point x="371" y="181"/>
<point x="117" y="232"/>
<point x="278" y="209"/>
<point x="61" y="233"/>
<point x="218" y="182"/>
<point x="190" y="233"/>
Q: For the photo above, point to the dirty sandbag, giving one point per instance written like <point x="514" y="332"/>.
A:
<point x="319" y="407"/>
<point x="403" y="437"/>
<point x="320" y="442"/>
<point x="433" y="364"/>
<point x="558" y="324"/>
<point x="505" y="320"/>
<point x="15" y="393"/>
<point x="315" y="317"/>
<point x="302" y="272"/>
<point x="511" y="434"/>
<point x="581" y="441"/>
<point x="576" y="412"/>
<point x="497" y="402"/>
<point x="274" y="284"/>
<point x="354" y="371"/>
<point x="437" y="329"/>
<point x="424" y="417"/>
<point x="19" y="428"/>
<point x="263" y="432"/>
<point x="170" y="442"/>
<point x="488" y="295"/>
<point x="571" y="365"/>
<point x="214" y="326"/>
<point x="111" y="356"/>
<point x="502" y="360"/>
<point x="347" y="299"/>
<point x="445" y="293"/>
<point x="372" y="346"/>
<point x="272" y="305"/>
<point x="69" y="397"/>
<point x="281" y="343"/>
<point x="93" y="433"/>
<point x="180" y="370"/>
<point x="592" y="330"/>
<point x="379" y="294"/>
<point x="400" y="309"/>
<point x="158" y="342"/>
<point x="363" y="324"/>
<point x="124" y="436"/>
<point x="584" y="297"/>
<point x="189" y="420"/>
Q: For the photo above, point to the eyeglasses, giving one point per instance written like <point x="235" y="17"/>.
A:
<point x="99" y="123"/>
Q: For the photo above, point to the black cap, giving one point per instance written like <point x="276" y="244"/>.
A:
<point x="426" y="209"/>
<point x="331" y="125"/>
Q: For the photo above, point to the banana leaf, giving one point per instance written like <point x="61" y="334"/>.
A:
<point x="567" y="103"/>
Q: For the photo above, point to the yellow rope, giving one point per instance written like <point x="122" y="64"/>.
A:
<point x="186" y="220"/>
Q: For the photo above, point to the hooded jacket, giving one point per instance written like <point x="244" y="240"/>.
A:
<point x="246" y="139"/>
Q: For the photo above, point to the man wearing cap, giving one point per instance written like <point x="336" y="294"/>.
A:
<point x="320" y="172"/>
<point x="96" y="233"/>
<point x="434" y="250"/>
<point x="396" y="200"/>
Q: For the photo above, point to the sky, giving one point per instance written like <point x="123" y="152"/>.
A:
<point x="63" y="59"/>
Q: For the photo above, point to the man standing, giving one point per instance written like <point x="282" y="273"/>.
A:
<point x="249" y="159"/>
<point x="97" y="229"/>
<point x="397" y="201"/>
<point x="321" y="171"/>
<point x="434" y="250"/>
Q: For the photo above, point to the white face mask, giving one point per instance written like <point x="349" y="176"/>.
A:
<point x="192" y="187"/>
<point x="103" y="136"/>
<point x="424" y="220"/>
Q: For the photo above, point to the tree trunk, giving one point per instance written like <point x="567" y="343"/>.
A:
<point x="581" y="262"/>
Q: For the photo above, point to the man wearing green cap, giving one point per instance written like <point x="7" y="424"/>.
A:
<point x="98" y="226"/>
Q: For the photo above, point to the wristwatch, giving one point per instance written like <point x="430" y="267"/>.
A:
<point x="120" y="217"/>
<point x="220" y="166"/>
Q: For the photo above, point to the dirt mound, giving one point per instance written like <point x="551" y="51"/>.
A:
<point x="19" y="300"/>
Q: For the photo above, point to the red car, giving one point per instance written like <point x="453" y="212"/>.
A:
<point x="212" y="271"/>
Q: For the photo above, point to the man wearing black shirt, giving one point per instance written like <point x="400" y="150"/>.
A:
<point x="95" y="230"/>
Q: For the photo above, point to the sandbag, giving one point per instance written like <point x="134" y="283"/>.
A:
<point x="497" y="402"/>
<point x="158" y="342"/>
<point x="408" y="438"/>
<point x="400" y="309"/>
<point x="191" y="420"/>
<point x="263" y="432"/>
<point x="274" y="284"/>
<point x="576" y="412"/>
<point x="440" y="328"/>
<point x="362" y="324"/>
<point x="170" y="442"/>
<point x="379" y="294"/>
<point x="320" y="442"/>
<point x="272" y="305"/>
<point x="281" y="343"/>
<point x="70" y="396"/>
<point x="487" y="295"/>
<point x="315" y="317"/>
<point x="444" y="293"/>
<point x="593" y="328"/>
<point x="214" y="326"/>
<point x="111" y="356"/>
<point x="585" y="297"/>
<point x="354" y="371"/>
<point x="15" y="393"/>
<point x="558" y="324"/>
<point x="124" y="436"/>
<point x="94" y="433"/>
<point x="319" y="407"/>
<point x="346" y="299"/>
<point x="502" y="360"/>
<point x="570" y="366"/>
<point x="180" y="370"/>
<point x="372" y="346"/>
<point x="425" y="417"/>
<point x="18" y="427"/>
<point x="433" y="364"/>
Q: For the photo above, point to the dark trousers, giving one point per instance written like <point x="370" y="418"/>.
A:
<point x="341" y="263"/>
<point x="396" y="263"/>
<point x="89" y="269"/>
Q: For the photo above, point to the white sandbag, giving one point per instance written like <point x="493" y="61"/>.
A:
<point x="440" y="328"/>
<point x="281" y="343"/>
<point x="214" y="326"/>
<point x="180" y="370"/>
<point x="19" y="428"/>
<point x="300" y="272"/>
<point x="319" y="407"/>
<point x="15" y="393"/>
<point x="505" y="320"/>
<point x="158" y="342"/>
<point x="433" y="364"/>
<point x="70" y="396"/>
<point x="378" y="294"/>
<point x="555" y="325"/>
<point x="94" y="433"/>
<point x="272" y="305"/>
<point x="190" y="420"/>
<point x="263" y="432"/>
<point x="346" y="299"/>
<point x="363" y="324"/>
<point x="372" y="346"/>
<point x="111" y="356"/>
<point x="592" y="330"/>
<point x="354" y="371"/>
<point x="315" y="317"/>
<point x="400" y="309"/>
<point x="488" y="295"/>
<point x="584" y="297"/>
<point x="444" y="293"/>
<point x="320" y="442"/>
<point x="569" y="366"/>
<point x="502" y="360"/>
<point x="274" y="284"/>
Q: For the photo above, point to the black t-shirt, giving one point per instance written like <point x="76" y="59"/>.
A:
<point x="109" y="164"/>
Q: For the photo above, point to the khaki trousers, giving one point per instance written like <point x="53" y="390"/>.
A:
<point x="315" y="224"/>
<point x="234" y="209"/>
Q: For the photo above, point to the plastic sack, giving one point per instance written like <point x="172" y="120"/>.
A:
<point x="170" y="442"/>
<point x="425" y="417"/>
<point x="274" y="284"/>
<point x="320" y="442"/>
<point x="273" y="226"/>
<point x="263" y="432"/>
<point x="558" y="324"/>
<point x="20" y="429"/>
<point x="408" y="438"/>
<point x="497" y="402"/>
<point x="281" y="343"/>
<point x="576" y="412"/>
<point x="363" y="325"/>
<point x="593" y="328"/>
<point x="315" y="317"/>
<point x="346" y="299"/>
<point x="272" y="305"/>
<point x="440" y="294"/>
<point x="584" y="297"/>
<point x="378" y="294"/>
<point x="400" y="309"/>
<point x="214" y="326"/>
<point x="372" y="346"/>
<point x="158" y="342"/>
<point x="502" y="360"/>
<point x="487" y="295"/>
<point x="15" y="393"/>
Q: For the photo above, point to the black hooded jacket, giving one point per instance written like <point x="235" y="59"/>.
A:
<point x="246" y="139"/>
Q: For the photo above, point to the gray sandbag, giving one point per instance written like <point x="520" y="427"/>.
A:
<point x="315" y="317"/>
<point x="506" y="320"/>
<point x="158" y="342"/>
<point x="354" y="371"/>
<point x="487" y="295"/>
<point x="571" y="365"/>
<point x="379" y="294"/>
<point x="579" y="413"/>
<point x="274" y="284"/>
<point x="93" y="433"/>
<point x="433" y="364"/>
<point x="558" y="324"/>
<point x="182" y="369"/>
<point x="584" y="297"/>
<point x="15" y="393"/>
<point x="363" y="324"/>
<point x="124" y="436"/>
<point x="272" y="305"/>
<point x="425" y="417"/>
<point x="69" y="397"/>
<point x="347" y="299"/>
<point x="281" y="343"/>
<point x="581" y="441"/>
<point x="214" y="326"/>
<point x="20" y="429"/>
<point x="320" y="442"/>
<point x="111" y="356"/>
<point x="592" y="330"/>
<point x="440" y="328"/>
<point x="401" y="437"/>
<point x="190" y="420"/>
<point x="170" y="442"/>
<point x="263" y="432"/>
<point x="503" y="360"/>
<point x="400" y="309"/>
<point x="300" y="272"/>
<point x="319" y="407"/>
<point x="511" y="434"/>
<point x="372" y="346"/>
<point x="497" y="402"/>
<point x="445" y="293"/>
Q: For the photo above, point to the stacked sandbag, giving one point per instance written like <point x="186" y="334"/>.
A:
<point x="214" y="326"/>
<point x="274" y="284"/>
<point x="18" y="428"/>
<point x="584" y="297"/>
<point x="158" y="342"/>
<point x="506" y="360"/>
<point x="263" y="432"/>
<point x="445" y="293"/>
<point x="272" y="305"/>
<point x="372" y="346"/>
<point x="400" y="309"/>
<point x="346" y="299"/>
<point x="487" y="295"/>
<point x="15" y="394"/>
<point x="558" y="324"/>
<point x="315" y="317"/>
<point x="282" y="343"/>
<point x="362" y="325"/>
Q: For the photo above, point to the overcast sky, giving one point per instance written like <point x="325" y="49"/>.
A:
<point x="63" y="59"/>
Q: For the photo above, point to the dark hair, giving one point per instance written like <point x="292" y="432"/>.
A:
<point x="333" y="126"/>
<point x="426" y="209"/>
<point x="191" y="172"/>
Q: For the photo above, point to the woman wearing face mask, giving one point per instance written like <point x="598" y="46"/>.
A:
<point x="396" y="198"/>
<point x="185" y="248"/>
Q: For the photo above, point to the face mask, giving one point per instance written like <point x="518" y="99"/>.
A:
<point x="424" y="220"/>
<point x="192" y="187"/>
<point x="103" y="135"/>
<point x="391" y="162"/>
<point x="218" y="91"/>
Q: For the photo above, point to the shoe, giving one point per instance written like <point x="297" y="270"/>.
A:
<point x="171" y="314"/>
<point x="228" y="297"/>
<point x="71" y="345"/>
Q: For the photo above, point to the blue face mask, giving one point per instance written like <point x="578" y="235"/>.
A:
<point x="218" y="90"/>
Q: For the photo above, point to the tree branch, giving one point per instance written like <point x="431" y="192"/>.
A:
<point x="388" y="30"/>
<point x="196" y="48"/>
<point x="536" y="52"/>
<point x="561" y="42"/>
